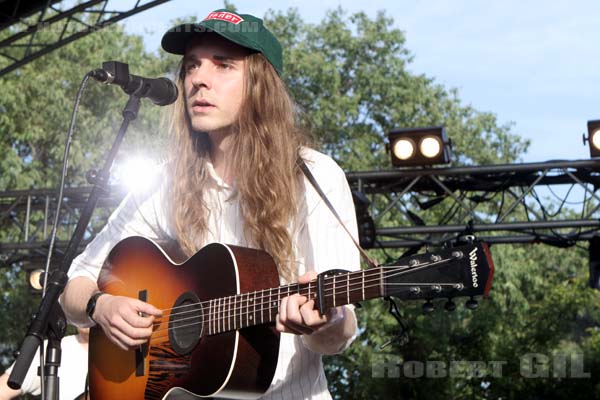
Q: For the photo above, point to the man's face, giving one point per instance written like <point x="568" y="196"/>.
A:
<point x="214" y="82"/>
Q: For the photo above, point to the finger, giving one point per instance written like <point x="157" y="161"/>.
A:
<point x="119" y="338"/>
<point x="116" y="340"/>
<point x="298" y="329"/>
<point x="122" y="324"/>
<point x="127" y="341"/>
<point x="282" y="323"/>
<point x="293" y="319"/>
<point x="281" y="327"/>
<point x="147" y="308"/>
<point x="133" y="319"/>
<point x="134" y="333"/>
<point x="307" y="277"/>
<point x="310" y="316"/>
<point x="292" y="309"/>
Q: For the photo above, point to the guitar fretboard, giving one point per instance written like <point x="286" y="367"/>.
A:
<point x="261" y="307"/>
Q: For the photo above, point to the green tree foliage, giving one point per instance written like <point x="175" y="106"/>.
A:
<point x="351" y="79"/>
<point x="35" y="111"/>
<point x="350" y="76"/>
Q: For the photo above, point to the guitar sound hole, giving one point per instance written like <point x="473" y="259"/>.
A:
<point x="185" y="323"/>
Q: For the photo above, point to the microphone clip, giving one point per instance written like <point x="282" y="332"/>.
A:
<point x="113" y="72"/>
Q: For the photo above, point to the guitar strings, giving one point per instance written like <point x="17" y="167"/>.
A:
<point x="252" y="310"/>
<point x="225" y="302"/>
<point x="329" y="281"/>
<point x="329" y="286"/>
<point x="221" y="321"/>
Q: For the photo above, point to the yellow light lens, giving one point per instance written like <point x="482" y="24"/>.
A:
<point x="430" y="146"/>
<point x="34" y="279"/>
<point x="596" y="139"/>
<point x="403" y="149"/>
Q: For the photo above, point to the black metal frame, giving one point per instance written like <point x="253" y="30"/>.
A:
<point x="23" y="46"/>
<point x="473" y="191"/>
<point x="396" y="191"/>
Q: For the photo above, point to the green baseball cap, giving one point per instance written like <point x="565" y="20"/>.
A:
<point x="243" y="29"/>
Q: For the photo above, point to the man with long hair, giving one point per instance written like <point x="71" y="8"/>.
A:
<point x="234" y="177"/>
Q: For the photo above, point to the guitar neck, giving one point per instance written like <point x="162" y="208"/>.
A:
<point x="454" y="272"/>
<point x="261" y="307"/>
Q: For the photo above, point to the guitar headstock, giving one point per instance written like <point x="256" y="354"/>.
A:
<point x="454" y="272"/>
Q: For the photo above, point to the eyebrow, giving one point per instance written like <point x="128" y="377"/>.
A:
<point x="224" y="58"/>
<point x="217" y="57"/>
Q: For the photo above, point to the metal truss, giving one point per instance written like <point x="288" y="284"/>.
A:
<point x="24" y="43"/>
<point x="26" y="218"/>
<point x="409" y="208"/>
<point x="512" y="203"/>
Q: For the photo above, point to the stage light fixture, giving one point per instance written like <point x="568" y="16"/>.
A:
<point x="33" y="277"/>
<point x="404" y="149"/>
<point x="430" y="146"/>
<point x="593" y="137"/>
<point x="419" y="146"/>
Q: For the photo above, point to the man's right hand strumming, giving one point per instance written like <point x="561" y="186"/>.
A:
<point x="127" y="322"/>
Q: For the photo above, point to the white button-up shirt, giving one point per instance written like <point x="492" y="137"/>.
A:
<point x="320" y="244"/>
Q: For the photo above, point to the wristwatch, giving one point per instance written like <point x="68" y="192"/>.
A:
<point x="91" y="306"/>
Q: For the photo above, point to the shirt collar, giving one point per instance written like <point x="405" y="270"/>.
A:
<point x="216" y="179"/>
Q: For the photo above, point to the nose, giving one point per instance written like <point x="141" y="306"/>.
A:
<point x="200" y="77"/>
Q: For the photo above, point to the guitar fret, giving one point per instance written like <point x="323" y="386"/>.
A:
<point x="240" y="308"/>
<point x="257" y="306"/>
<point x="247" y="308"/>
<point x="209" y="315"/>
<point x="334" y="291"/>
<point x="213" y="319"/>
<point x="254" y="309"/>
<point x="222" y="315"/>
<point x="229" y="313"/>
<point x="216" y="317"/>
<point x="269" y="305"/>
<point x="381" y="281"/>
<point x="278" y="296"/>
<point x="262" y="307"/>
<point x="363" y="284"/>
<point x="348" y="289"/>
<point x="232" y="313"/>
<point x="221" y="319"/>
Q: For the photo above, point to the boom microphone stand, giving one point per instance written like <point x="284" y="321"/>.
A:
<point x="50" y="321"/>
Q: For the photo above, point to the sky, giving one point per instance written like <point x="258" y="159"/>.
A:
<point x="533" y="63"/>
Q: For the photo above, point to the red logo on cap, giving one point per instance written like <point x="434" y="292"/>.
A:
<point x="225" y="16"/>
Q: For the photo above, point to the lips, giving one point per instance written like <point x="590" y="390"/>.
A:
<point x="202" y="105"/>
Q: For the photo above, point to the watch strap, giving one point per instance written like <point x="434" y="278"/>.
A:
<point x="91" y="305"/>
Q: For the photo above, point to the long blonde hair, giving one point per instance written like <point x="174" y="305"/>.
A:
<point x="266" y="147"/>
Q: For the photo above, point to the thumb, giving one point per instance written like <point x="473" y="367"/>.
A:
<point x="307" y="277"/>
<point x="148" y="309"/>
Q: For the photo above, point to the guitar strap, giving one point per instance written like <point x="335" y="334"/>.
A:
<point x="313" y="181"/>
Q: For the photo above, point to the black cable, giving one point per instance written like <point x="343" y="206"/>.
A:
<point x="62" y="177"/>
<point x="58" y="206"/>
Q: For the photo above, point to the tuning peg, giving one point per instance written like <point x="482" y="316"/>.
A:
<point x="428" y="307"/>
<point x="450" y="305"/>
<point x="471" y="304"/>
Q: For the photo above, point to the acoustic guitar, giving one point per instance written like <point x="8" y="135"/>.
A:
<point x="217" y="337"/>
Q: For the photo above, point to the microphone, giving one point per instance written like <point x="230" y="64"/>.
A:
<point x="161" y="91"/>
